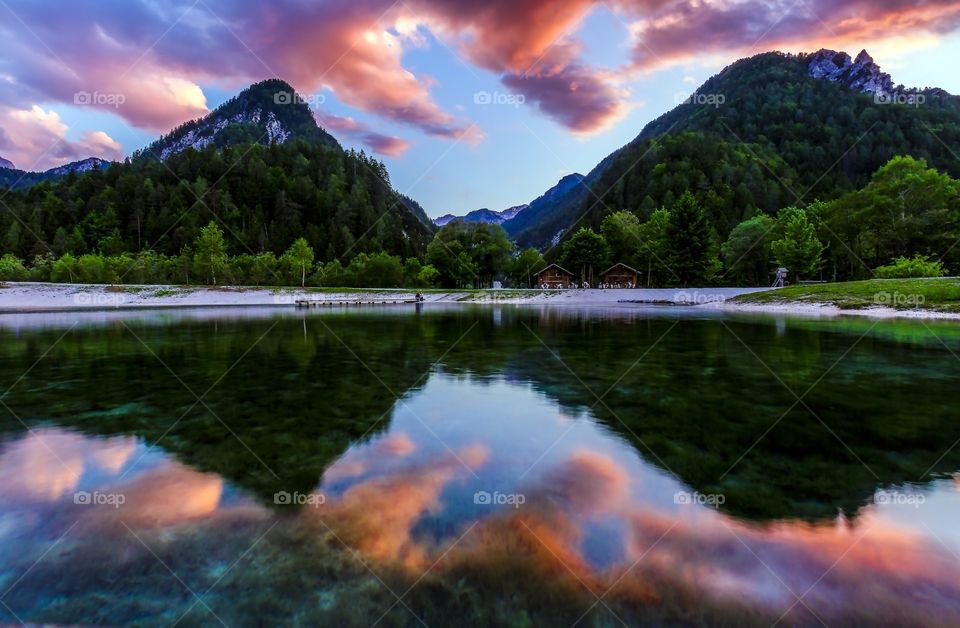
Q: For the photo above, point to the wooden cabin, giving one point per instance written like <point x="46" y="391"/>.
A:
<point x="554" y="277"/>
<point x="620" y="276"/>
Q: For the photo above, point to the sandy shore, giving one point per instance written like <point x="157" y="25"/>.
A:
<point x="47" y="297"/>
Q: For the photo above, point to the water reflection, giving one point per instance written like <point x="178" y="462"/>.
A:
<point x="532" y="463"/>
<point x="596" y="520"/>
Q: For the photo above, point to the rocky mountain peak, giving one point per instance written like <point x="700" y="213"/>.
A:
<point x="863" y="58"/>
<point x="268" y="112"/>
<point x="861" y="74"/>
<point x="6" y="164"/>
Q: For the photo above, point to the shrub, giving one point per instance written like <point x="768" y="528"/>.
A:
<point x="12" y="268"/>
<point x="904" y="268"/>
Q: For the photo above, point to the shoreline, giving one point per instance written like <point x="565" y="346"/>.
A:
<point x="38" y="298"/>
<point x="829" y="310"/>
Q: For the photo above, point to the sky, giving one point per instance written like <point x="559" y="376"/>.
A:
<point x="470" y="103"/>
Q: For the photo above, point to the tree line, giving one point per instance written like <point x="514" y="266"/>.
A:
<point x="904" y="222"/>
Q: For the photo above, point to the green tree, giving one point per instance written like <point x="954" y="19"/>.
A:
<point x="585" y="252"/>
<point x="300" y="255"/>
<point x="468" y="253"/>
<point x="622" y="233"/>
<point x="746" y="253"/>
<point x="652" y="247"/>
<point x="524" y="266"/>
<point x="798" y="249"/>
<point x="210" y="257"/>
<point x="692" y="257"/>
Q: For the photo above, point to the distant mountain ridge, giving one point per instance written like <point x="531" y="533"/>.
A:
<point x="7" y="164"/>
<point x="482" y="215"/>
<point x="268" y="112"/>
<point x="12" y="178"/>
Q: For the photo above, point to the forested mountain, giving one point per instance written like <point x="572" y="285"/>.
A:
<point x="767" y="132"/>
<point x="10" y="177"/>
<point x="258" y="166"/>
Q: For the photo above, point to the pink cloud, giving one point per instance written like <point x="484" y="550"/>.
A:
<point x="156" y="55"/>
<point x="678" y="30"/>
<point x="389" y="145"/>
<point x="35" y="139"/>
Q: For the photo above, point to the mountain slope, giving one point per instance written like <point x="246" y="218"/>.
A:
<point x="268" y="112"/>
<point x="7" y="164"/>
<point x="761" y="133"/>
<point x="545" y="217"/>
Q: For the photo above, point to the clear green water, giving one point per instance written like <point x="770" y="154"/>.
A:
<point x="478" y="467"/>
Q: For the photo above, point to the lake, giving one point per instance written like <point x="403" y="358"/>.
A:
<point x="478" y="466"/>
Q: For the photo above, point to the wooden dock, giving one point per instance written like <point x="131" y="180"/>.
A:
<point x="345" y="302"/>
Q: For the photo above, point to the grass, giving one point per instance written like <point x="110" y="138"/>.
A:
<point x="902" y="294"/>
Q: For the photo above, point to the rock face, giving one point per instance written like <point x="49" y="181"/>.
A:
<point x="861" y="74"/>
<point x="7" y="164"/>
<point x="269" y="112"/>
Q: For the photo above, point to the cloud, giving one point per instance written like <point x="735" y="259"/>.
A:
<point x="35" y="139"/>
<point x="389" y="145"/>
<point x="579" y="97"/>
<point x="157" y="55"/>
<point x="679" y="30"/>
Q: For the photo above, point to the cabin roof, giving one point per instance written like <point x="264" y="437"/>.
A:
<point x="620" y="265"/>
<point x="557" y="266"/>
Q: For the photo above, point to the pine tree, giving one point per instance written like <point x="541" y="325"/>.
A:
<point x="690" y="242"/>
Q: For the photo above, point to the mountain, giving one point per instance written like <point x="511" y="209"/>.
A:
<point x="482" y="215"/>
<point x="259" y="167"/>
<point x="753" y="138"/>
<point x="7" y="164"/>
<point x="19" y="179"/>
<point x="268" y="112"/>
